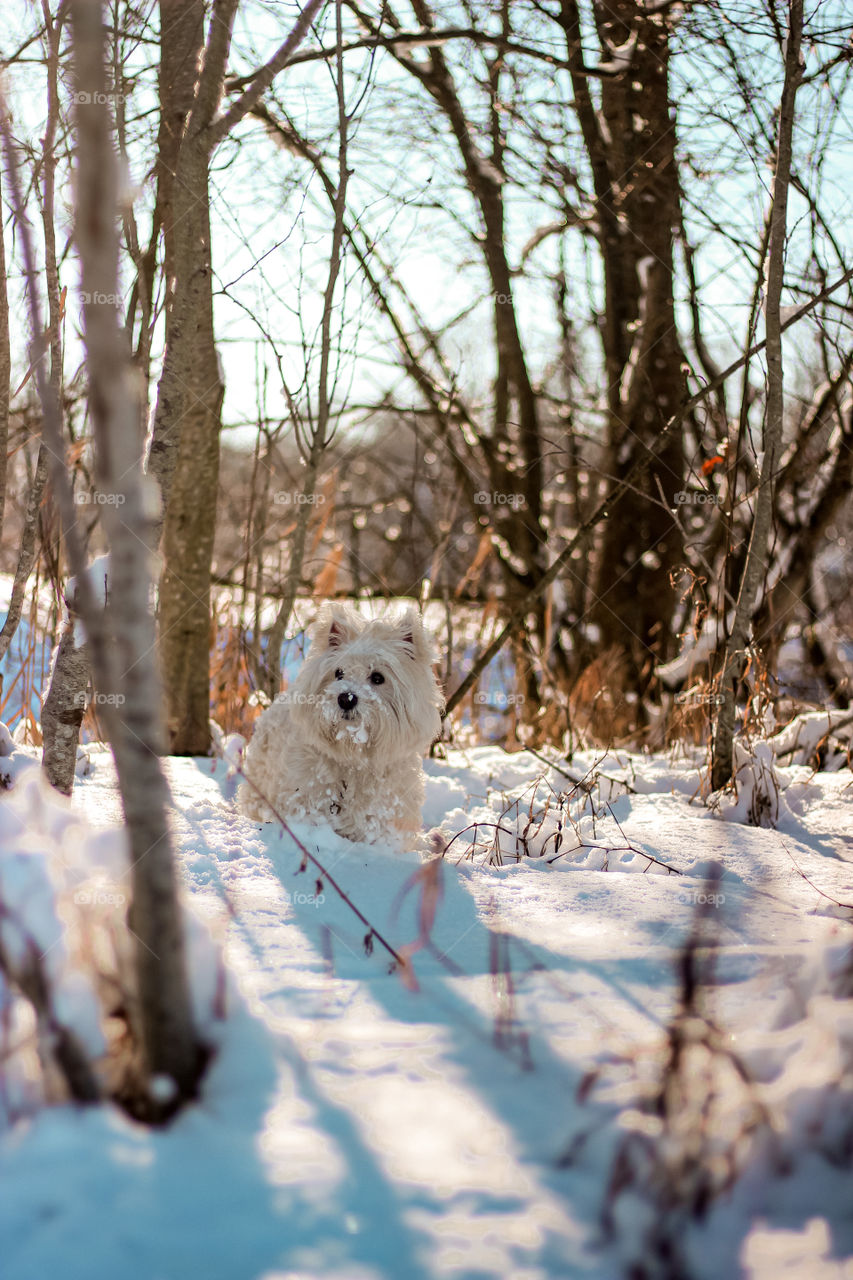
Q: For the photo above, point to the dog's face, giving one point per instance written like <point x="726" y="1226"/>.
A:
<point x="367" y="688"/>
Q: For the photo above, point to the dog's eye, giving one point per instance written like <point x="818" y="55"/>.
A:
<point x="376" y="677"/>
<point x="339" y="675"/>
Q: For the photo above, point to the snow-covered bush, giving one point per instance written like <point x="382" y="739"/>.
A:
<point x="758" y="788"/>
<point x="67" y="993"/>
<point x="713" y="1114"/>
<point x="14" y="757"/>
<point x="757" y="793"/>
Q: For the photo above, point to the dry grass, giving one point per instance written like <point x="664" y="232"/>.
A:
<point x="230" y="679"/>
<point x="599" y="706"/>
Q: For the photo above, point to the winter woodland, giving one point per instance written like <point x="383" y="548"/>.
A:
<point x="533" y="317"/>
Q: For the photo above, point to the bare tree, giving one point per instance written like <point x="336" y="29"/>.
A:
<point x="756" y="564"/>
<point x="168" y="1034"/>
<point x="319" y="427"/>
<point x="184" y="453"/>
<point x="5" y="371"/>
<point x="630" y="141"/>
<point x="122" y="637"/>
<point x="65" y="701"/>
<point x="28" y="551"/>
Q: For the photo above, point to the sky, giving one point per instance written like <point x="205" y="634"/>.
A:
<point x="271" y="225"/>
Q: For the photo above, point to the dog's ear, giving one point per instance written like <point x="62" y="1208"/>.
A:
<point x="411" y="631"/>
<point x="336" y="625"/>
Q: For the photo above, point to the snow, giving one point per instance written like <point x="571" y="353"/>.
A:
<point x="462" y="1122"/>
<point x="695" y="651"/>
<point x="801" y="737"/>
<point x="620" y="57"/>
<point x="98" y="572"/>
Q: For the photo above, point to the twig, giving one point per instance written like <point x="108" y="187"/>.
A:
<point x="606" y="506"/>
<point x="307" y="855"/>
<point x="579" y="782"/>
<point x="474" y="826"/>
<point x="673" y="871"/>
<point x="845" y="906"/>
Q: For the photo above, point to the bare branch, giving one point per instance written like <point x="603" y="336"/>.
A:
<point x="756" y="560"/>
<point x="220" y="129"/>
<point x="604" y="508"/>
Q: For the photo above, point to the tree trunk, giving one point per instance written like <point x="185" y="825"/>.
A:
<point x="27" y="553"/>
<point x="184" y="454"/>
<point x="63" y="709"/>
<point x="64" y="705"/>
<point x="631" y="147"/>
<point x="5" y="375"/>
<point x="756" y="559"/>
<point x="168" y="1035"/>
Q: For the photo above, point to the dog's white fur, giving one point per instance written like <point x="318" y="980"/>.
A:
<point x="341" y="746"/>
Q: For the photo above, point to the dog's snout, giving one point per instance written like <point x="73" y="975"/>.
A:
<point x="346" y="701"/>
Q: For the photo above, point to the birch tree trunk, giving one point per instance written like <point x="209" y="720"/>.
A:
<point x="168" y="1035"/>
<point x="755" y="566"/>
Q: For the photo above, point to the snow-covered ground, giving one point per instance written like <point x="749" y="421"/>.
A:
<point x="465" y="1122"/>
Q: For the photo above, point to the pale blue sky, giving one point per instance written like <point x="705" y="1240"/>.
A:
<point x="265" y="206"/>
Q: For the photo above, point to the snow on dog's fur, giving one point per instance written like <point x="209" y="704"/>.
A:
<point x="344" y="743"/>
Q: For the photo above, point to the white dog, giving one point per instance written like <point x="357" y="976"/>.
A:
<point x="344" y="743"/>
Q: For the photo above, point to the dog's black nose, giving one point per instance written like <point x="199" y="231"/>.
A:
<point x="346" y="701"/>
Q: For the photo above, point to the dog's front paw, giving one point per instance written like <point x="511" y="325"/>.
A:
<point x="428" y="844"/>
<point x="252" y="806"/>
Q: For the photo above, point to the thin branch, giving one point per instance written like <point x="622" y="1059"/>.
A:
<point x="216" y="132"/>
<point x="641" y="465"/>
<point x="308" y="856"/>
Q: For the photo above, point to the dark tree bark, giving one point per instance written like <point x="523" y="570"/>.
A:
<point x="630" y="142"/>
